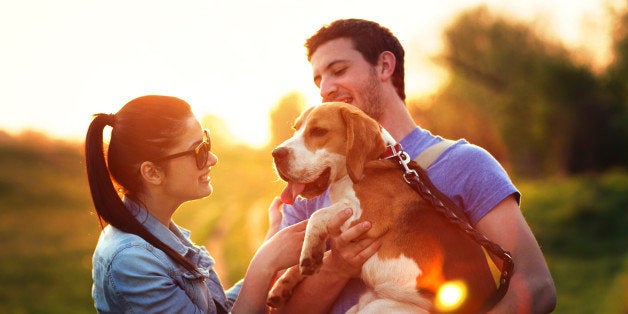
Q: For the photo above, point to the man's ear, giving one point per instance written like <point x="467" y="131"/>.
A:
<point x="151" y="173"/>
<point x="386" y="63"/>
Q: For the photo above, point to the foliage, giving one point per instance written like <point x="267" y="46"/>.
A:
<point x="511" y="91"/>
<point x="48" y="231"/>
<point x="615" y="81"/>
<point x="282" y="117"/>
<point x="581" y="225"/>
<point x="551" y="114"/>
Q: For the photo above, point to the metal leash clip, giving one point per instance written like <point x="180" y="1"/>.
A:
<point x="404" y="160"/>
<point x="397" y="152"/>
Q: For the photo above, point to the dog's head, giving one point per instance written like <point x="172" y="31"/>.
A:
<point x="331" y="140"/>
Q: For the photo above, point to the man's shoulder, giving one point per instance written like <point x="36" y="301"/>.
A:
<point x="463" y="149"/>
<point x="467" y="166"/>
<point x="464" y="154"/>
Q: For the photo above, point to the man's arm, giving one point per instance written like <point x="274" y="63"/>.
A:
<point x="531" y="287"/>
<point x="317" y="293"/>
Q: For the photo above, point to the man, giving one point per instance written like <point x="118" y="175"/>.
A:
<point x="361" y="63"/>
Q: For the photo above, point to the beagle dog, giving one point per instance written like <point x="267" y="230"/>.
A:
<point x="337" y="146"/>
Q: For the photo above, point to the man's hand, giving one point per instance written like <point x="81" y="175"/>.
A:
<point x="351" y="248"/>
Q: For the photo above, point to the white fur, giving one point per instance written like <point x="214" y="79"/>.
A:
<point x="342" y="192"/>
<point x="307" y="165"/>
<point x="401" y="272"/>
<point x="316" y="231"/>
<point x="394" y="287"/>
<point x="370" y="303"/>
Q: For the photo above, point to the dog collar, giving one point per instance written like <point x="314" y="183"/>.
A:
<point x="391" y="151"/>
<point x="396" y="153"/>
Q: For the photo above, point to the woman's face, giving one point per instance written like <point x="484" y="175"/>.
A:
<point x="183" y="180"/>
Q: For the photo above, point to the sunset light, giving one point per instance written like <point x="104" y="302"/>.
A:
<point x="450" y="296"/>
<point x="532" y="93"/>
<point x="63" y="61"/>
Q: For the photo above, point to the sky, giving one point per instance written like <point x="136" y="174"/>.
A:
<point x="62" y="61"/>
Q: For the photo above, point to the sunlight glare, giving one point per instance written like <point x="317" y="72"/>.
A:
<point x="223" y="59"/>
<point x="450" y="296"/>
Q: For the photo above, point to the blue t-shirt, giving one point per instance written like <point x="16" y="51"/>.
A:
<point x="469" y="175"/>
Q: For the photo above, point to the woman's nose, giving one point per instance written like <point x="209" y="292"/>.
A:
<point x="212" y="159"/>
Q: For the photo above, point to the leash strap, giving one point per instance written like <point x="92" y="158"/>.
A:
<point x="417" y="178"/>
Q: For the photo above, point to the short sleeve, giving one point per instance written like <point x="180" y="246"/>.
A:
<point x="472" y="178"/>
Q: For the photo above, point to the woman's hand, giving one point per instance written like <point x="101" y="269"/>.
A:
<point x="274" y="217"/>
<point x="282" y="250"/>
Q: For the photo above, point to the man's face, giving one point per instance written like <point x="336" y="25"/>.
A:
<point x="342" y="74"/>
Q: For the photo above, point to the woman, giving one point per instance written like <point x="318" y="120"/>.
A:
<point x="159" y="157"/>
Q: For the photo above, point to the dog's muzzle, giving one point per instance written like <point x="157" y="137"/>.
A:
<point x="281" y="155"/>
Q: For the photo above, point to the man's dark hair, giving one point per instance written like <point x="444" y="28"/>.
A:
<point x="369" y="38"/>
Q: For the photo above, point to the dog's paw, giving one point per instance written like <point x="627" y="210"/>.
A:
<point x="278" y="297"/>
<point x="282" y="290"/>
<point x="311" y="264"/>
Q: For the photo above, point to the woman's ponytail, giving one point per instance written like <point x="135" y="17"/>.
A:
<point x="109" y="207"/>
<point x="104" y="195"/>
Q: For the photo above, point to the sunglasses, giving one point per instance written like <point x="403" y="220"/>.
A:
<point x="201" y="152"/>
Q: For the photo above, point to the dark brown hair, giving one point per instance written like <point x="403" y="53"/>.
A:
<point x="369" y="38"/>
<point x="142" y="130"/>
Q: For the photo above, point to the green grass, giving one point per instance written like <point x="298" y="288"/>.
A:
<point x="582" y="226"/>
<point x="48" y="231"/>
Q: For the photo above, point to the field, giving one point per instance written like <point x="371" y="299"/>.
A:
<point x="48" y="229"/>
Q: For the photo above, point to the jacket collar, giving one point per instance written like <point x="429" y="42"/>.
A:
<point x="173" y="236"/>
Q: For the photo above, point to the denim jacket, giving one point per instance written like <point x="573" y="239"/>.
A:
<point x="132" y="276"/>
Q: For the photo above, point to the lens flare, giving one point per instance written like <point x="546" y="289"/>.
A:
<point x="450" y="296"/>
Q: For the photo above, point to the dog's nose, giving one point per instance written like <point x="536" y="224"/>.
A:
<point x="280" y="153"/>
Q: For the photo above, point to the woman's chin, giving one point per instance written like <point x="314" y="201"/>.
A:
<point x="208" y="190"/>
<point x="205" y="190"/>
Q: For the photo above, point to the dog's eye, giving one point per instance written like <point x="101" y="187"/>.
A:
<point x="318" y="132"/>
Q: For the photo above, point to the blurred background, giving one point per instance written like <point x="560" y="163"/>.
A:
<point x="542" y="85"/>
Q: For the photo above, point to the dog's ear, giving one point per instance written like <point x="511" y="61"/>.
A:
<point x="298" y="122"/>
<point x="364" y="141"/>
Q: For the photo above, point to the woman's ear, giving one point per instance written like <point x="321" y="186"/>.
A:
<point x="151" y="173"/>
<point x="387" y="63"/>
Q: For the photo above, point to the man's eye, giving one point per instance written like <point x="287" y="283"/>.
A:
<point x="340" y="72"/>
<point x="316" y="132"/>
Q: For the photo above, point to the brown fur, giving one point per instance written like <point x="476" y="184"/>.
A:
<point x="406" y="224"/>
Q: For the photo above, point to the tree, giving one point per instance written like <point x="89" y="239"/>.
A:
<point x="535" y="95"/>
<point x="615" y="81"/>
<point x="454" y="118"/>
<point x="282" y="117"/>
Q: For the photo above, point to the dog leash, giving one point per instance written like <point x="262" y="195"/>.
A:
<point x="418" y="179"/>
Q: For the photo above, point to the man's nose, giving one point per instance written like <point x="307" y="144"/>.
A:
<point x="328" y="89"/>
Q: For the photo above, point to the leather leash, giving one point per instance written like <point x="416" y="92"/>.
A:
<point x="418" y="179"/>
